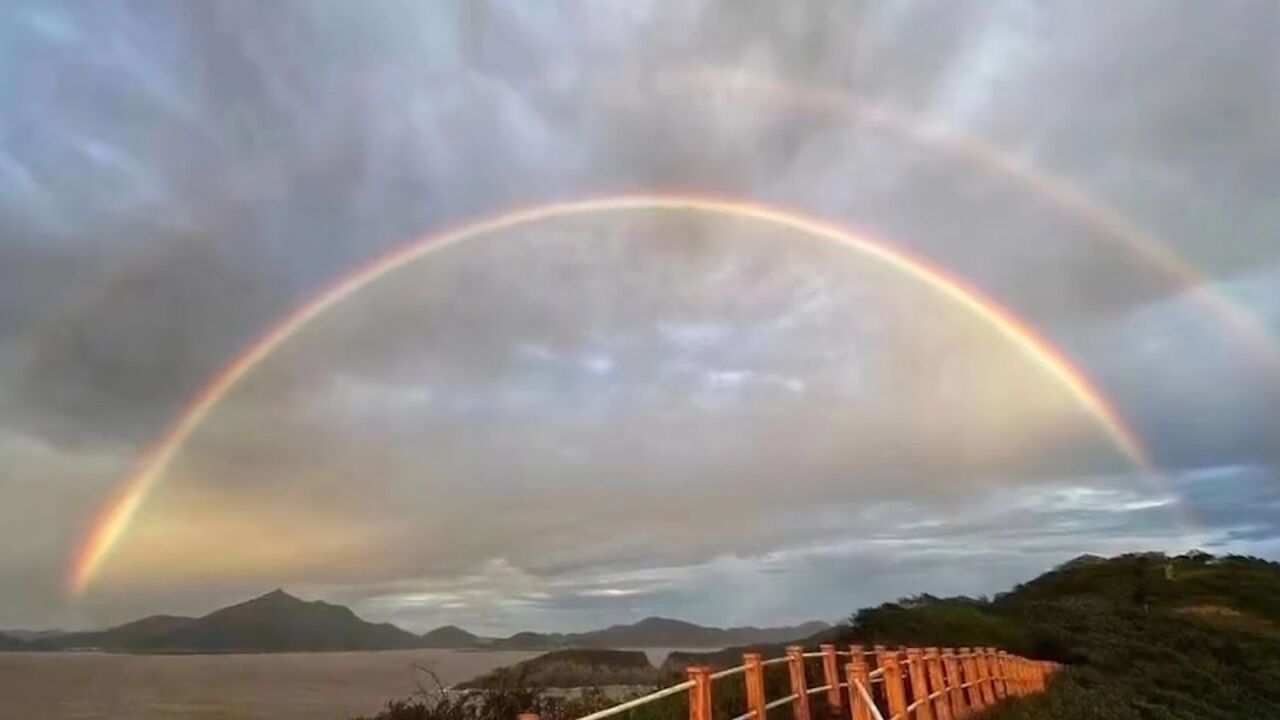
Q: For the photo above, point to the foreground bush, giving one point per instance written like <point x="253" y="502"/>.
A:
<point x="503" y="704"/>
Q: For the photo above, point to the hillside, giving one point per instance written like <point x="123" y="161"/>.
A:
<point x="777" y="635"/>
<point x="452" y="636"/>
<point x="9" y="642"/>
<point x="279" y="621"/>
<point x="29" y="635"/>
<point x="654" y="631"/>
<point x="139" y="634"/>
<point x="662" y="632"/>
<point x="275" y="622"/>
<point x="572" y="669"/>
<point x="657" y="632"/>
<point x="1145" y="636"/>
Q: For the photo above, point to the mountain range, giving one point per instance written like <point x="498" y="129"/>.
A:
<point x="25" y="635"/>
<point x="275" y="622"/>
<point x="649" y="632"/>
<point x="280" y="622"/>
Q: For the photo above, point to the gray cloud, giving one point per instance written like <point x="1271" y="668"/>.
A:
<point x="987" y="542"/>
<point x="174" y="178"/>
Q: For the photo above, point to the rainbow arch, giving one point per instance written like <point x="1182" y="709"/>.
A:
<point x="124" y="502"/>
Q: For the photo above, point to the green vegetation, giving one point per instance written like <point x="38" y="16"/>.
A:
<point x="1143" y="636"/>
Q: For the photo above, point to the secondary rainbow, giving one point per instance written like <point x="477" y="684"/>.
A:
<point x="1060" y="193"/>
<point x="122" y="506"/>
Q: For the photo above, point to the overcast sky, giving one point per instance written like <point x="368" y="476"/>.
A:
<point x="596" y="418"/>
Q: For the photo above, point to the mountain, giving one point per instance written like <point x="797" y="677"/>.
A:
<point x="9" y="642"/>
<point x="452" y="636"/>
<point x="659" y="632"/>
<point x="654" y="632"/>
<point x="530" y="641"/>
<point x="136" y="635"/>
<point x="27" y="635"/>
<point x="749" y="635"/>
<point x="280" y="622"/>
<point x="275" y="622"/>
<point x="1080" y="561"/>
<point x="573" y="669"/>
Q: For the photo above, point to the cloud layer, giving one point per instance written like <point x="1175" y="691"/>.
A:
<point x="497" y="434"/>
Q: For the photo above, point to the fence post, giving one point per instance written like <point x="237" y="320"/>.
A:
<point x="858" y="674"/>
<point x="983" y="671"/>
<point x="919" y="686"/>
<point x="937" y="684"/>
<point x="959" y="708"/>
<point x="970" y="675"/>
<point x="795" y="663"/>
<point x="894" y="693"/>
<point x="754" y="675"/>
<point x="700" y="693"/>
<point x="831" y="674"/>
<point x="993" y="672"/>
<point x="997" y="671"/>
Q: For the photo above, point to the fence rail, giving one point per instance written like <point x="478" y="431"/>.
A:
<point x="876" y="684"/>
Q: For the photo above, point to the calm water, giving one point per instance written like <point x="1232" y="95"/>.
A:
<point x="314" y="686"/>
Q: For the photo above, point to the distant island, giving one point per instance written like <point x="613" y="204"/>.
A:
<point x="574" y="669"/>
<point x="280" y="622"/>
<point x="652" y="632"/>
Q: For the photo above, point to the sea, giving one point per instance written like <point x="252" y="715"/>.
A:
<point x="276" y="686"/>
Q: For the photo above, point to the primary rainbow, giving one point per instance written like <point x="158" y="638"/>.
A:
<point x="114" y="518"/>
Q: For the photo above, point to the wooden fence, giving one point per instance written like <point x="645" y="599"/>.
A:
<point x="876" y="684"/>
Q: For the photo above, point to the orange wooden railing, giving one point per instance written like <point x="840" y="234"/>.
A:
<point x="877" y="684"/>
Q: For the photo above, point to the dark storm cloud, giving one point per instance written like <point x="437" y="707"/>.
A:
<point x="173" y="177"/>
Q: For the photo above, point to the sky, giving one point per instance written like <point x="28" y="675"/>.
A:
<point x="596" y="417"/>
